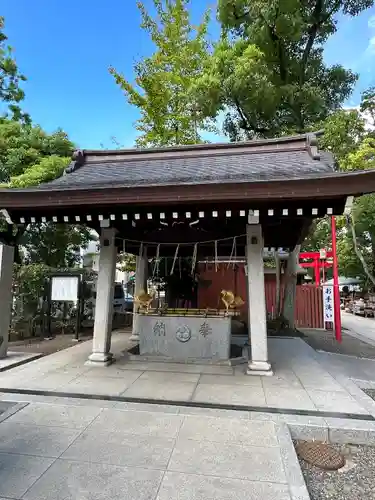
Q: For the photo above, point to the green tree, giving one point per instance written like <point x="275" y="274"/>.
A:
<point x="170" y="113"/>
<point x="29" y="156"/>
<point x="343" y="132"/>
<point x="54" y="245"/>
<point x="10" y="77"/>
<point x="268" y="73"/>
<point x="367" y="108"/>
<point x="348" y="134"/>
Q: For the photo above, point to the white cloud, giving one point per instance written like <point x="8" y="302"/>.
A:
<point x="371" y="22"/>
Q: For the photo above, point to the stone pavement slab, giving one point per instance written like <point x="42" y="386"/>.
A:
<point x="177" y="455"/>
<point x="41" y="381"/>
<point x="280" y="397"/>
<point x="19" y="472"/>
<point x="231" y="380"/>
<point x="138" y="423"/>
<point x="41" y="441"/>
<point x="213" y="412"/>
<point x="227" y="460"/>
<point x="299" y="373"/>
<point x="135" y="454"/>
<point x="56" y="416"/>
<point x="68" y="480"/>
<point x="335" y="402"/>
<point x="154" y="389"/>
<point x="230" y="394"/>
<point x="283" y="378"/>
<point x="151" y="376"/>
<point x="97" y="385"/>
<point x="229" y="431"/>
<point x="121" y="449"/>
<point x="178" y="486"/>
<point x="112" y="371"/>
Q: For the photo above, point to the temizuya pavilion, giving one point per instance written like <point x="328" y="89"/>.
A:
<point x="268" y="190"/>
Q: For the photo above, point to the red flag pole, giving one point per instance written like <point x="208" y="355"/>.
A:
<point x="336" y="290"/>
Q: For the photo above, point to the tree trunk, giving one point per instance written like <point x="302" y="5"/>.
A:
<point x="359" y="253"/>
<point x="291" y="286"/>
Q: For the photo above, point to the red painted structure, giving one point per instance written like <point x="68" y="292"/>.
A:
<point x="317" y="262"/>
<point x="309" y="298"/>
<point x="336" y="290"/>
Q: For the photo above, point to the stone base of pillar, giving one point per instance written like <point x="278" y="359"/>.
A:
<point x="100" y="359"/>
<point x="262" y="368"/>
<point x="135" y="328"/>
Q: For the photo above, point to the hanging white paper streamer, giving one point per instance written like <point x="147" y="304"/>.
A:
<point x="175" y="258"/>
<point x="194" y="261"/>
<point x="232" y="253"/>
<point x="157" y="261"/>
<point x="216" y="256"/>
<point x="138" y="262"/>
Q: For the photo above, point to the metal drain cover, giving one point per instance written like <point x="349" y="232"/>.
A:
<point x="321" y="455"/>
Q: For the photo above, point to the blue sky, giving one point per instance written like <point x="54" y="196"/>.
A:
<point x="65" y="49"/>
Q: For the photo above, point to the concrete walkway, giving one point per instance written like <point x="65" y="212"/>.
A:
<point x="304" y="380"/>
<point x="72" y="447"/>
<point x="53" y="452"/>
<point x="359" y="327"/>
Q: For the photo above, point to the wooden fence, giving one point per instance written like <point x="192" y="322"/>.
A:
<point x="309" y="298"/>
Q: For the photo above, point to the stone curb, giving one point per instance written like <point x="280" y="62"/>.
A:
<point x="336" y="431"/>
<point x="20" y="362"/>
<point x="296" y="482"/>
<point x="326" y="429"/>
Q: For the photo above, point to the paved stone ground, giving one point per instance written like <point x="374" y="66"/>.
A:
<point x="321" y="340"/>
<point x="359" y="327"/>
<point x="66" y="452"/>
<point x="69" y="448"/>
<point x="304" y="380"/>
<point x="355" y="481"/>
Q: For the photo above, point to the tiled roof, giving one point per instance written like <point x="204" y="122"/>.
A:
<point x="256" y="161"/>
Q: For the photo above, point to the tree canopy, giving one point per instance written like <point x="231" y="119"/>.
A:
<point x="170" y="114"/>
<point x="267" y="73"/>
<point x="11" y="94"/>
<point x="29" y="156"/>
<point x="349" y="135"/>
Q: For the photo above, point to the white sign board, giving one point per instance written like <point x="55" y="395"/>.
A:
<point x="328" y="304"/>
<point x="64" y="288"/>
